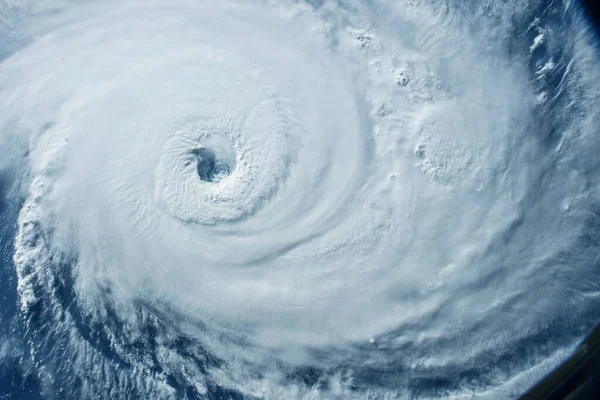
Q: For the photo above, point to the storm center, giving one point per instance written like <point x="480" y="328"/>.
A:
<point x="210" y="168"/>
<point x="215" y="159"/>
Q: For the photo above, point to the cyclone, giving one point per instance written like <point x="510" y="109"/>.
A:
<point x="298" y="199"/>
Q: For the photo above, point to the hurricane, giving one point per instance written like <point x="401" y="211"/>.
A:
<point x="308" y="199"/>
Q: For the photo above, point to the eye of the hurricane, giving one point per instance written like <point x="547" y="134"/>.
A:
<point x="210" y="168"/>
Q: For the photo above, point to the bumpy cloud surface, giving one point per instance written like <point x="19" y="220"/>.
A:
<point x="311" y="200"/>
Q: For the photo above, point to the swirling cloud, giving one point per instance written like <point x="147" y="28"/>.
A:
<point x="223" y="194"/>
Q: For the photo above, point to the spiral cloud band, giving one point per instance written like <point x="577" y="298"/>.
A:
<point x="316" y="200"/>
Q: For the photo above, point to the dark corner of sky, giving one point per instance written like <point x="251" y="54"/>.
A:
<point x="592" y="8"/>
